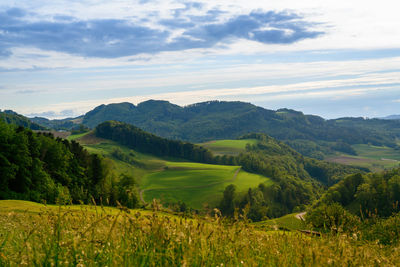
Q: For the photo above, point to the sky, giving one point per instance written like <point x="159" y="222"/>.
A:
<point x="332" y="58"/>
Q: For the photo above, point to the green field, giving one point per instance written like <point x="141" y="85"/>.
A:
<point x="287" y="222"/>
<point x="198" y="184"/>
<point x="22" y="206"/>
<point x="375" y="158"/>
<point x="172" y="180"/>
<point x="228" y="147"/>
<point x="76" y="136"/>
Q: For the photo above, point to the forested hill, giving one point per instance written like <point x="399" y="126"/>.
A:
<point x="63" y="124"/>
<point x="229" y="120"/>
<point x="38" y="167"/>
<point x="11" y="117"/>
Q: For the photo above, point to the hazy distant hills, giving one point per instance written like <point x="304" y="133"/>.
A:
<point x="309" y="134"/>
<point x="391" y="117"/>
<point x="63" y="124"/>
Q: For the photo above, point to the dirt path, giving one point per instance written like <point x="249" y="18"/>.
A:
<point x="300" y="216"/>
<point x="186" y="187"/>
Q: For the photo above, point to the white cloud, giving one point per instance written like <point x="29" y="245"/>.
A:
<point x="356" y="25"/>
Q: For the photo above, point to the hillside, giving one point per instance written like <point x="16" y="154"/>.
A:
<point x="228" y="120"/>
<point x="298" y="179"/>
<point x="38" y="167"/>
<point x="11" y="117"/>
<point x="214" y="120"/>
<point x="173" y="180"/>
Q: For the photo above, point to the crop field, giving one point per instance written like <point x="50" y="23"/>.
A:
<point x="228" y="147"/>
<point x="61" y="237"/>
<point x="373" y="157"/>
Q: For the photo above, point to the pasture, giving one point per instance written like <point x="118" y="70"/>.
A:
<point x="172" y="180"/>
<point x="228" y="147"/>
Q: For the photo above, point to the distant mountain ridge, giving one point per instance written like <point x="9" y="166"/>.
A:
<point x="391" y="117"/>
<point x="63" y="124"/>
<point x="220" y="120"/>
<point x="309" y="134"/>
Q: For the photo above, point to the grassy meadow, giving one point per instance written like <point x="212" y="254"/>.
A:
<point x="83" y="236"/>
<point x="228" y="147"/>
<point x="196" y="187"/>
<point x="171" y="179"/>
<point x="287" y="222"/>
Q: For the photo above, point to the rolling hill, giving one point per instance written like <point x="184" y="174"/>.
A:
<point x="170" y="179"/>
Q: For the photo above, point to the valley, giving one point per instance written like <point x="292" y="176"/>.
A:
<point x="173" y="179"/>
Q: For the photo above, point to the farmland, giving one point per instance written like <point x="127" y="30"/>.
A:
<point x="376" y="158"/>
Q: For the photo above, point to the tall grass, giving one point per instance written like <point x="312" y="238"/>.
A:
<point x="67" y="237"/>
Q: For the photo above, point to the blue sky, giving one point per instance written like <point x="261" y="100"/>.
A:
<point x="329" y="58"/>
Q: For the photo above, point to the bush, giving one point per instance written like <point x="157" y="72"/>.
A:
<point x="386" y="231"/>
<point x="332" y="218"/>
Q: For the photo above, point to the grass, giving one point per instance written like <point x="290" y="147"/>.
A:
<point x="197" y="184"/>
<point x="76" y="136"/>
<point x="22" y="206"/>
<point x="172" y="180"/>
<point x="373" y="157"/>
<point x="59" y="237"/>
<point x="228" y="147"/>
<point x="287" y="222"/>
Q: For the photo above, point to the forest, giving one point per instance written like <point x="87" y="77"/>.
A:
<point x="38" y="167"/>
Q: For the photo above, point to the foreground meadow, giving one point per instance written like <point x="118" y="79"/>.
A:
<point x="90" y="236"/>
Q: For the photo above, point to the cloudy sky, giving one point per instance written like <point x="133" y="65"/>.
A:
<point x="331" y="58"/>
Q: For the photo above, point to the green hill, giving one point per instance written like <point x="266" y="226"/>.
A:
<point x="217" y="120"/>
<point x="173" y="180"/>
